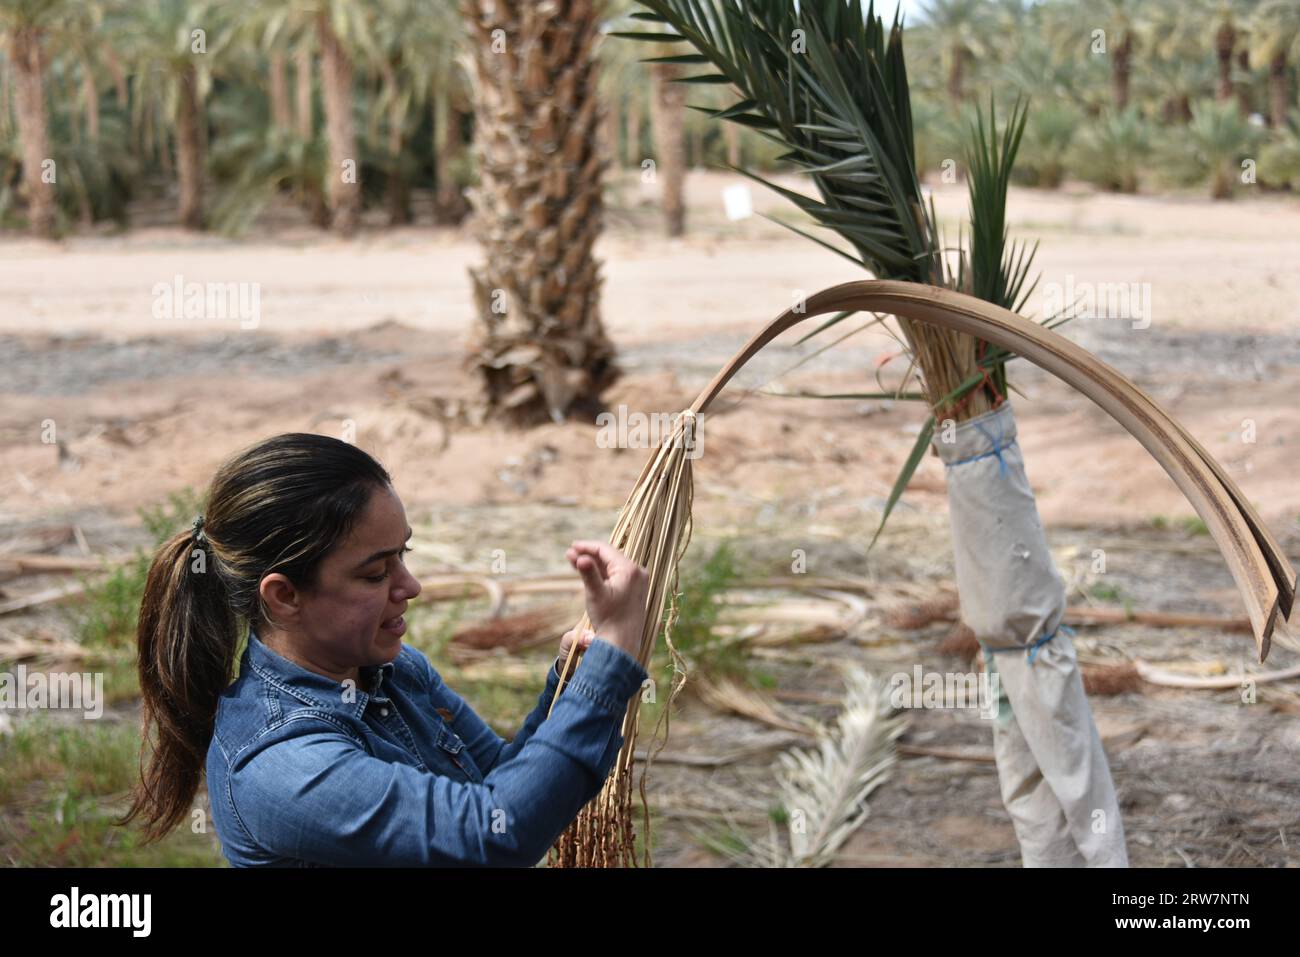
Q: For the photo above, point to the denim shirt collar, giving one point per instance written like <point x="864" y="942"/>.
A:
<point x="311" y="688"/>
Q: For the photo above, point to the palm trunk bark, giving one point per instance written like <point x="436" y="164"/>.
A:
<point x="732" y="134"/>
<point x="189" y="150"/>
<point x="632" y="155"/>
<point x="305" y="123"/>
<point x="666" y="119"/>
<point x="90" y="93"/>
<point x="398" y="191"/>
<point x="5" y="118"/>
<point x="1121" y="70"/>
<point x="540" y="346"/>
<point x="33" y="130"/>
<point x="1225" y="38"/>
<point x="609" y="132"/>
<point x="450" y="207"/>
<point x="118" y="74"/>
<point x="956" y="68"/>
<point x="303" y="71"/>
<point x="1243" y="89"/>
<point x="280" y="114"/>
<point x="1277" y="98"/>
<point x="342" y="182"/>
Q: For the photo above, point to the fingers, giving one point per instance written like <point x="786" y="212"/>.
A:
<point x="604" y="554"/>
<point x="583" y="642"/>
<point x="591" y="577"/>
<point x="607" y="557"/>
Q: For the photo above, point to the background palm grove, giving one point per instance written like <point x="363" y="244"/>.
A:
<point x="457" y="233"/>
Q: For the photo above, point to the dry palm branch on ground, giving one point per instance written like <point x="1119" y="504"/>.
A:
<point x="841" y="107"/>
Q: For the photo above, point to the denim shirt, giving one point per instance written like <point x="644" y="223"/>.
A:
<point x="304" y="771"/>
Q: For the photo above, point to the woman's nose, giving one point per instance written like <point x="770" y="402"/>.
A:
<point x="409" y="584"/>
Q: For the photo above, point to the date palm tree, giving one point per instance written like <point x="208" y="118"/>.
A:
<point x="341" y="32"/>
<point x="24" y="28"/>
<point x="959" y="30"/>
<point x="1276" y="38"/>
<point x="1211" y="147"/>
<point x="541" y="348"/>
<point x="170" y="46"/>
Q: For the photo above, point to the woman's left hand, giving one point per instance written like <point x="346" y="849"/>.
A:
<point x="567" y="642"/>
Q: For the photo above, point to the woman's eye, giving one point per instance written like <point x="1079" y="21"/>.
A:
<point x="378" y="578"/>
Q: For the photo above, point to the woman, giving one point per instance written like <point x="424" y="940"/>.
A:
<point x="337" y="744"/>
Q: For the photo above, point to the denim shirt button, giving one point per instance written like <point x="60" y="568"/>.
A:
<point x="383" y="712"/>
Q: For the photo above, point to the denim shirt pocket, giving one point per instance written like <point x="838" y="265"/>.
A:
<point x="451" y="754"/>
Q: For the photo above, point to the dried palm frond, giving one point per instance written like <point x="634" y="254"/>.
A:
<point x="510" y="633"/>
<point x="1259" y="565"/>
<point x="726" y="694"/>
<point x="653" y="530"/>
<point x="823" y="792"/>
<point x="1173" y="679"/>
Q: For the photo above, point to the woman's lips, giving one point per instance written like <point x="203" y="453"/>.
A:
<point x="396" y="626"/>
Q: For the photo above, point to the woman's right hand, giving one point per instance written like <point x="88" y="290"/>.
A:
<point x="617" y="589"/>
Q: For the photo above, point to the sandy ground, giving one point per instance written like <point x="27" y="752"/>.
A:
<point x="373" y="333"/>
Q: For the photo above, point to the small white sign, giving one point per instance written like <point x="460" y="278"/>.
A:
<point x="738" y="201"/>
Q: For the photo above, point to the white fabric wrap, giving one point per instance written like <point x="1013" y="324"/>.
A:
<point x="1054" y="777"/>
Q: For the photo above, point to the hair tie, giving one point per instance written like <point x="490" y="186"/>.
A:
<point x="196" y="531"/>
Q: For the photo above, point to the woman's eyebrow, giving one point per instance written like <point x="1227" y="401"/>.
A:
<point x="385" y="553"/>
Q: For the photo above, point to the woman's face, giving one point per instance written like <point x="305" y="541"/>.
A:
<point x="353" y="617"/>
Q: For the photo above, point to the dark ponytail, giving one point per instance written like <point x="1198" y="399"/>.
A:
<point x="279" y="506"/>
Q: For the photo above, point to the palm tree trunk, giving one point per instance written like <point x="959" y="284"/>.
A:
<point x="32" y="130"/>
<point x="305" y="122"/>
<point x="667" y="106"/>
<point x="956" y="67"/>
<point x="732" y="134"/>
<point x="1121" y="69"/>
<point x="118" y="74"/>
<point x="189" y="149"/>
<point x="632" y="148"/>
<point x="1221" y="183"/>
<point x="609" y="131"/>
<point x="1277" y="98"/>
<point x="280" y="113"/>
<point x="449" y="204"/>
<point x="1225" y="39"/>
<point x="303" y="71"/>
<point x="1243" y="89"/>
<point x="90" y="93"/>
<point x="398" y="192"/>
<point x="540" y="346"/>
<point x="5" y="117"/>
<point x="342" y="182"/>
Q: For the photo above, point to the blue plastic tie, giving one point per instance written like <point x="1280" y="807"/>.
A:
<point x="1032" y="650"/>
<point x="996" y="451"/>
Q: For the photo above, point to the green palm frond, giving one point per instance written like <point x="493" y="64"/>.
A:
<point x="828" y="83"/>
